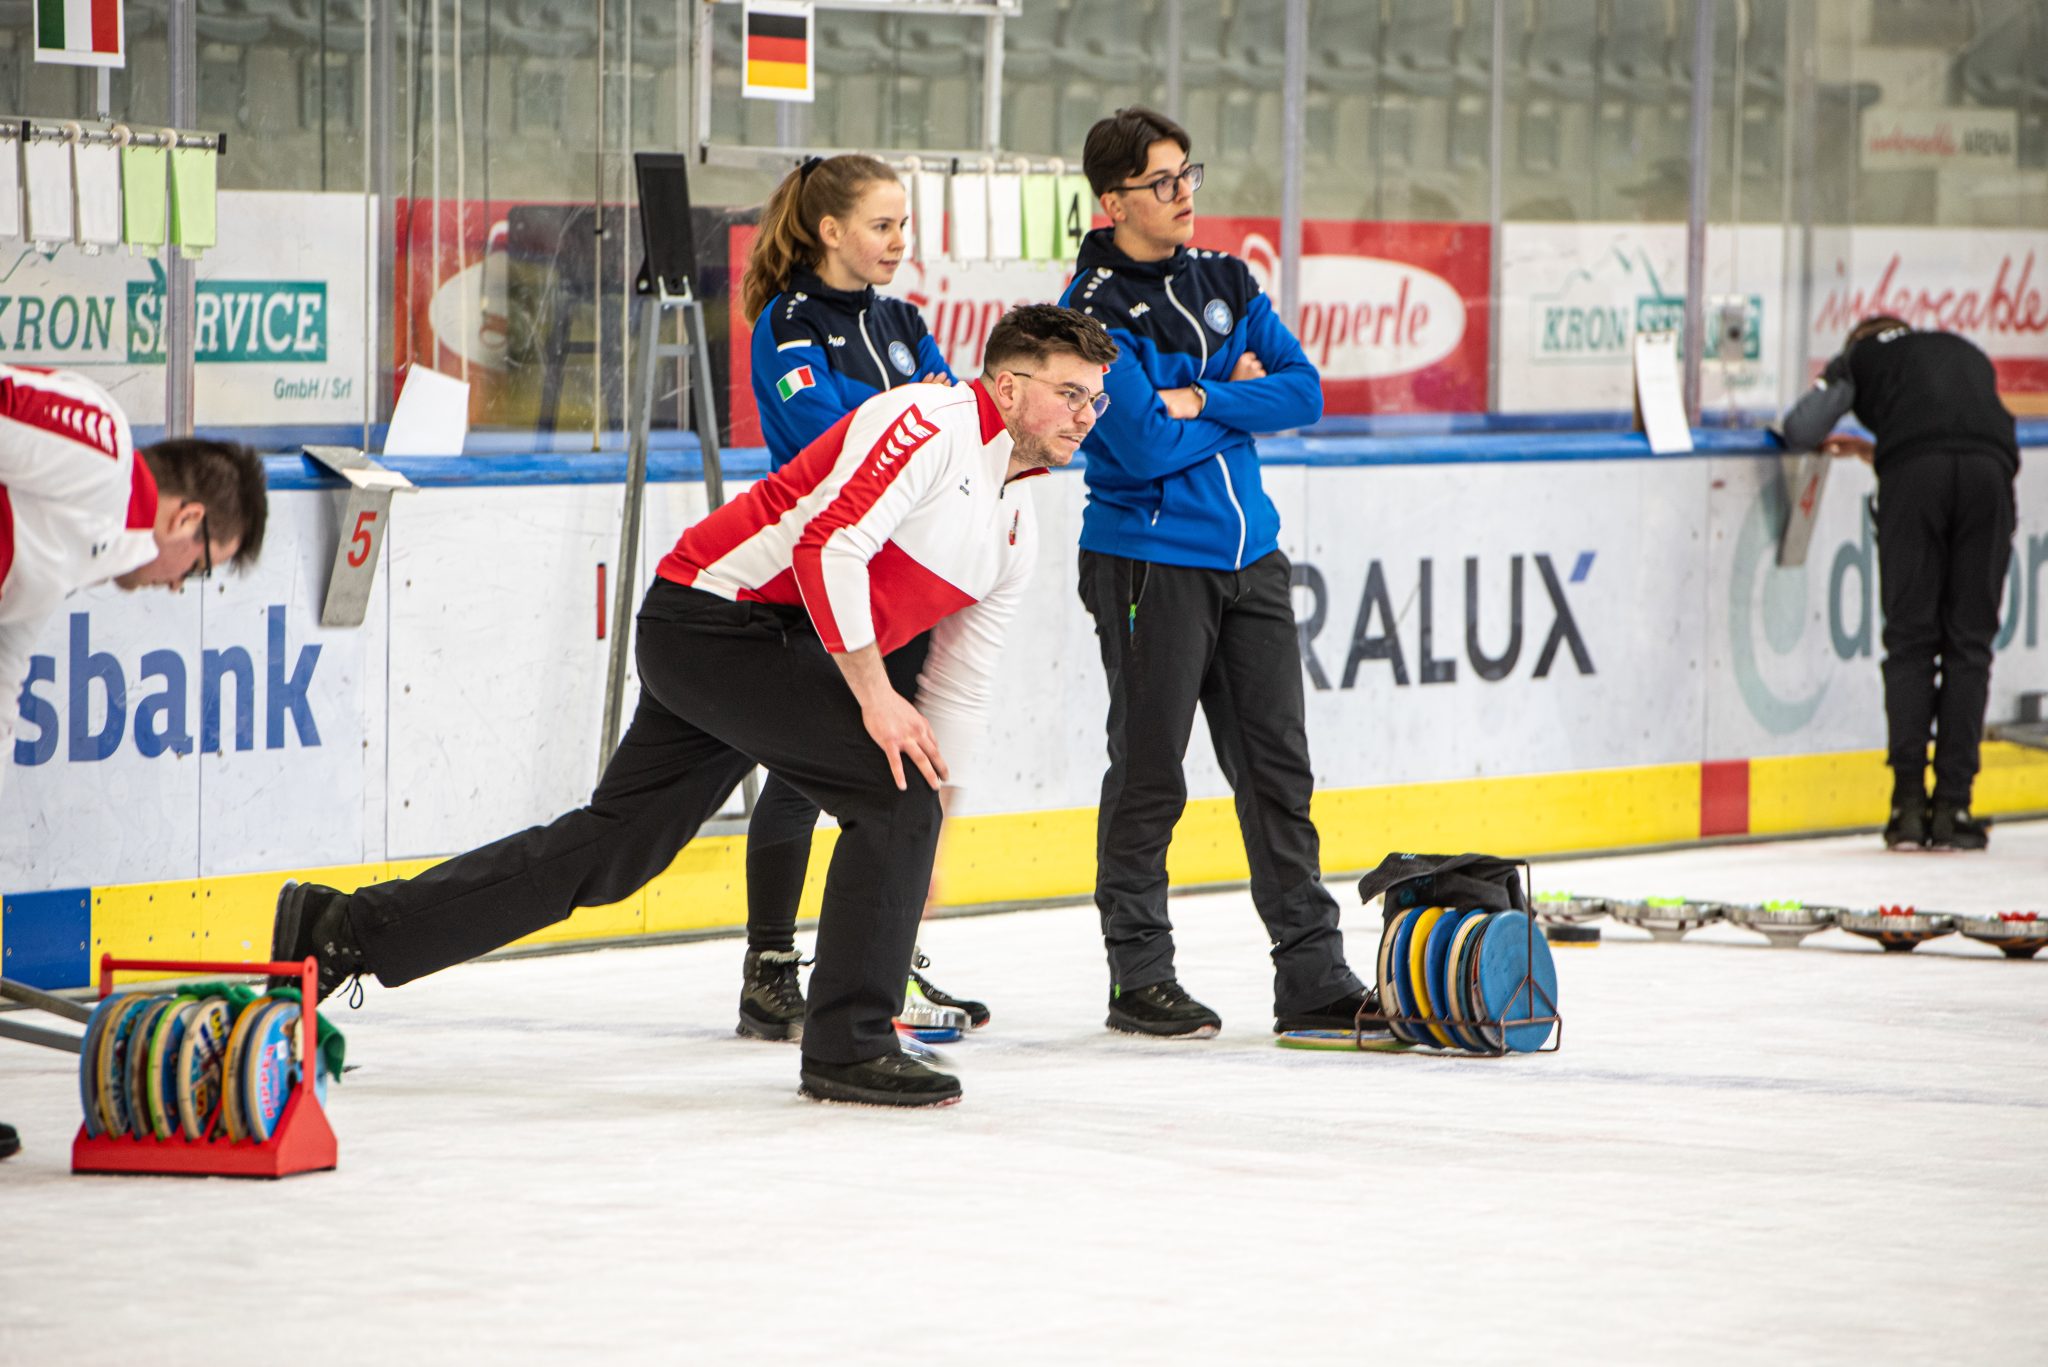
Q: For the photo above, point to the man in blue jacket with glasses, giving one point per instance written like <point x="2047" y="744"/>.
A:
<point x="1182" y="572"/>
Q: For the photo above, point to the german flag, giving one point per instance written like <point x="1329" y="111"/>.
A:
<point x="778" y="51"/>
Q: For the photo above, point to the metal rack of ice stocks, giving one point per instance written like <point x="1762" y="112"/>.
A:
<point x="1459" y="976"/>
<point x="300" y="1140"/>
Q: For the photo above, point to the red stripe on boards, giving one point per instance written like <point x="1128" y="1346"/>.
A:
<point x="1724" y="797"/>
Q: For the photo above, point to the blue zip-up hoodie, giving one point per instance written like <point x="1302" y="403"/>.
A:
<point x="819" y="353"/>
<point x="1185" y="491"/>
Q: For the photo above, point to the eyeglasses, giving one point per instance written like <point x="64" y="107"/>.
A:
<point x="204" y="569"/>
<point x="1076" y="397"/>
<point x="1167" y="188"/>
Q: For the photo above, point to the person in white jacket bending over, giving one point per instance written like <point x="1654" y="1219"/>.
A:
<point x="80" y="506"/>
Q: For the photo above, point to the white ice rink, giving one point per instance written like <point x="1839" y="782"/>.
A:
<point x="1741" y="1155"/>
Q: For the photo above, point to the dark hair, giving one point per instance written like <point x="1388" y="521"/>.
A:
<point x="1871" y="326"/>
<point x="224" y="477"/>
<point x="1033" y="332"/>
<point x="821" y="188"/>
<point x="1117" y="146"/>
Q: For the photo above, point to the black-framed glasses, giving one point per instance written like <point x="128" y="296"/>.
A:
<point x="1076" y="397"/>
<point x="204" y="569"/>
<point x="1167" y="188"/>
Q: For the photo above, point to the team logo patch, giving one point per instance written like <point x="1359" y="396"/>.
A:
<point x="795" y="383"/>
<point x="900" y="357"/>
<point x="1217" y="316"/>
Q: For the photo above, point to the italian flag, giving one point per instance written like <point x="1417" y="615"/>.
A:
<point x="80" y="32"/>
<point x="794" y="383"/>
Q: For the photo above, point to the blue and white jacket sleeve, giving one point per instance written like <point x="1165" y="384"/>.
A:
<point x="1138" y="438"/>
<point x="783" y="349"/>
<point x="1289" y="394"/>
<point x="932" y="361"/>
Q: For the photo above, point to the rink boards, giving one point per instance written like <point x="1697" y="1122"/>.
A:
<point x="1529" y="644"/>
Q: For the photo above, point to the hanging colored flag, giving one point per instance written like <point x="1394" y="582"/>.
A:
<point x="780" y="62"/>
<point x="81" y="32"/>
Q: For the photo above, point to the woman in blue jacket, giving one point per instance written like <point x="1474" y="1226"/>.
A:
<point x="824" y="341"/>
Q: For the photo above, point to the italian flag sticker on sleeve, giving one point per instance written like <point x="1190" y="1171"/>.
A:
<point x="794" y="383"/>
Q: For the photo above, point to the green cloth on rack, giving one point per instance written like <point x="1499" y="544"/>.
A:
<point x="1042" y="239"/>
<point x="193" y="194"/>
<point x="145" y="193"/>
<point x="332" y="1045"/>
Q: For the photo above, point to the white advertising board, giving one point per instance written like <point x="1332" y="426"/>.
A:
<point x="1456" y="622"/>
<point x="280" y="309"/>
<point x="1573" y="296"/>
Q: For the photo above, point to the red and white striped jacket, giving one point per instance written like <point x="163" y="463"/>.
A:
<point x="898" y="520"/>
<point x="77" y="507"/>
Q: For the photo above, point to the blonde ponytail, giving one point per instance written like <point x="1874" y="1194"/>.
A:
<point x="788" y="240"/>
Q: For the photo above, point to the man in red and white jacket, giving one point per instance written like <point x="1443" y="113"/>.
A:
<point x="765" y="639"/>
<point x="80" y="506"/>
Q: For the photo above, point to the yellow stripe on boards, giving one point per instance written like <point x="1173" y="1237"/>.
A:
<point x="225" y="919"/>
<point x="1050" y="855"/>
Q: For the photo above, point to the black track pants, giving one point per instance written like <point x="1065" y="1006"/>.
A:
<point x="723" y="686"/>
<point x="779" y="831"/>
<point x="1944" y="538"/>
<point x="1227" y="641"/>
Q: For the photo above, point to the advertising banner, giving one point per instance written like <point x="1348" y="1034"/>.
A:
<point x="1573" y="296"/>
<point x="280" y="313"/>
<point x="1393" y="314"/>
<point x="1990" y="286"/>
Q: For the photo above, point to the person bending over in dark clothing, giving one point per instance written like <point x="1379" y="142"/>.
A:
<point x="1946" y="457"/>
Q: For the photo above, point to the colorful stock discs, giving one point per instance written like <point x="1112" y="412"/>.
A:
<point x="113" y="1064"/>
<point x="89" y="1064"/>
<point x="233" y="1118"/>
<point x="1418" y="980"/>
<point x="1331" y="1040"/>
<point x="140" y="1124"/>
<point x="199" y="1061"/>
<point x="1397" y="971"/>
<point x="1434" y="954"/>
<point x="160" y="1089"/>
<point x="1390" y="1002"/>
<point x="1515" y="980"/>
<point x="1444" y="982"/>
<point x="268" y="1068"/>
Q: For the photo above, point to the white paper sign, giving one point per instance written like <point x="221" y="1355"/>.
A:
<point x="1660" y="398"/>
<point x="96" y="183"/>
<point x="970" y="218"/>
<point x="432" y="416"/>
<point x="48" y="172"/>
<point x="1006" y="216"/>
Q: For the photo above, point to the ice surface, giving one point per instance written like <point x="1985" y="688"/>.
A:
<point x="1741" y="1154"/>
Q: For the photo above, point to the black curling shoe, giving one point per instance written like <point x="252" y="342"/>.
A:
<point x="312" y="919"/>
<point x="1953" y="828"/>
<point x="891" y="1080"/>
<point x="1341" y="1014"/>
<point x="1163" y="1010"/>
<point x="1907" y="830"/>
<point x="771" y="1000"/>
